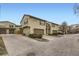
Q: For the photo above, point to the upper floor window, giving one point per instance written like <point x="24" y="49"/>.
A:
<point x="53" y="25"/>
<point x="11" y="26"/>
<point x="26" y="21"/>
<point x="42" y="22"/>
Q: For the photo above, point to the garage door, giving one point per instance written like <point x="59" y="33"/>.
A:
<point x="38" y="31"/>
<point x="54" y="31"/>
<point x="2" y="31"/>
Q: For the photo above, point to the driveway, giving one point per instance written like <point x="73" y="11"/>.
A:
<point x="19" y="45"/>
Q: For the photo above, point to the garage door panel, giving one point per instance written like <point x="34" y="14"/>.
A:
<point x="38" y="31"/>
<point x="2" y="31"/>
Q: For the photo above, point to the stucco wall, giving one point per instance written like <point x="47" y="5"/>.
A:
<point x="26" y="31"/>
<point x="24" y="20"/>
<point x="6" y="25"/>
<point x="56" y="27"/>
<point x="33" y="23"/>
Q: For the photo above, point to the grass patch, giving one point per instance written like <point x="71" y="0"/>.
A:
<point x="2" y="47"/>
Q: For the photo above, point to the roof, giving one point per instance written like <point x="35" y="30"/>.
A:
<point x="52" y="23"/>
<point x="7" y="22"/>
<point x="32" y="17"/>
<point x="18" y="25"/>
<point x="37" y="19"/>
<point x="75" y="25"/>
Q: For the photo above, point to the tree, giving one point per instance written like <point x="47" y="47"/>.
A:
<point x="64" y="28"/>
<point x="76" y="8"/>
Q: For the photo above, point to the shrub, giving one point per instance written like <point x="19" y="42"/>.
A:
<point x="35" y="35"/>
<point x="18" y="32"/>
<point x="23" y="34"/>
<point x="55" y="34"/>
<point x="61" y="33"/>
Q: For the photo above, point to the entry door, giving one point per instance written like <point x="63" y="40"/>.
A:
<point x="47" y="28"/>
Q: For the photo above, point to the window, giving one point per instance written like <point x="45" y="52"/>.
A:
<point x="53" y="25"/>
<point x="26" y="21"/>
<point x="11" y="26"/>
<point x="42" y="23"/>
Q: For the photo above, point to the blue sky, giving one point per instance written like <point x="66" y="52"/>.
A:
<point x="53" y="12"/>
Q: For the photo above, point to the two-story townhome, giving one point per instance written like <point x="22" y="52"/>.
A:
<point x="54" y="28"/>
<point x="51" y="28"/>
<point x="74" y="28"/>
<point x="31" y="24"/>
<point x="7" y="27"/>
<point x="34" y="25"/>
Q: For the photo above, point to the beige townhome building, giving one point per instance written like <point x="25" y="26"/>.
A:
<point x="7" y="27"/>
<point x="35" y="25"/>
<point x="29" y="25"/>
<point x="51" y="28"/>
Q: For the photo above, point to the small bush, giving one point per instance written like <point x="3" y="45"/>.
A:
<point x="35" y="35"/>
<point x="55" y="34"/>
<point x="61" y="33"/>
<point x="23" y="34"/>
<point x="18" y="32"/>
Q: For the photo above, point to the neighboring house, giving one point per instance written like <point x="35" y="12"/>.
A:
<point x="74" y="28"/>
<point x="34" y="25"/>
<point x="54" y="28"/>
<point x="7" y="27"/>
<point x="51" y="28"/>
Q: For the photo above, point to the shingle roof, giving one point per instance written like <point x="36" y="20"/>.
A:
<point x="7" y="22"/>
<point x="37" y="19"/>
<point x="32" y="17"/>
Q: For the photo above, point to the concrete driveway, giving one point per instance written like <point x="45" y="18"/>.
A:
<point x="66" y="45"/>
<point x="21" y="45"/>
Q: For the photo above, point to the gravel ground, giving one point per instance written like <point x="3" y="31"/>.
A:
<point x="18" y="45"/>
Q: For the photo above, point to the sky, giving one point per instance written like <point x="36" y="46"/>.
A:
<point x="53" y="12"/>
